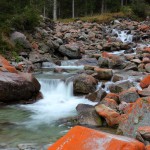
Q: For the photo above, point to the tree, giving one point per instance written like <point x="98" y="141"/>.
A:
<point x="55" y="10"/>
<point x="73" y="9"/>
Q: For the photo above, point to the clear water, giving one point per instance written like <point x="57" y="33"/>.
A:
<point x="36" y="123"/>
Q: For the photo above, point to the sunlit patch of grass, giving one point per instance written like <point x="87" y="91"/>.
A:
<point x="102" y="18"/>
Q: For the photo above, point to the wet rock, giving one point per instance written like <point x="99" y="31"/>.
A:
<point x="6" y="66"/>
<point x="29" y="146"/>
<point x="137" y="116"/>
<point x="147" y="67"/>
<point x="143" y="134"/>
<point x="103" y="62"/>
<point x="112" y="61"/>
<point x="145" y="82"/>
<point x="15" y="87"/>
<point x="111" y="116"/>
<point x="70" y="50"/>
<point x="131" y="66"/>
<point x="103" y="74"/>
<point x="128" y="96"/>
<point x="3" y="145"/>
<point x="84" y="84"/>
<point x="91" y="139"/>
<point x="145" y="92"/>
<point x="113" y="96"/>
<point x="120" y="86"/>
<point x="125" y="107"/>
<point x="128" y="51"/>
<point x="117" y="77"/>
<point x="96" y="96"/>
<point x="111" y="103"/>
<point x="87" y="61"/>
<point x="88" y="116"/>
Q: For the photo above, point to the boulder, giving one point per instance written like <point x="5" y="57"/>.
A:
<point x="145" y="92"/>
<point x="145" y="82"/>
<point x="131" y="66"/>
<point x="120" y="86"/>
<point x="103" y="74"/>
<point x="20" y="38"/>
<point x="147" y="147"/>
<point x="84" y="84"/>
<point x="147" y="67"/>
<point x="71" y="50"/>
<point x="117" y="77"/>
<point x="112" y="61"/>
<point x="111" y="103"/>
<point x="6" y="65"/>
<point x="113" y="96"/>
<point x="82" y="138"/>
<point x="137" y="116"/>
<point x="17" y="87"/>
<point x="143" y="134"/>
<point x="111" y="116"/>
<point x="97" y="96"/>
<point x="88" y="116"/>
<point x="128" y="96"/>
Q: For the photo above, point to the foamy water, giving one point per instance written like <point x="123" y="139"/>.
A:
<point x="58" y="102"/>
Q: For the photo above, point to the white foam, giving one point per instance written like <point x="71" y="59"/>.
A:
<point x="58" y="102"/>
<point x="123" y="36"/>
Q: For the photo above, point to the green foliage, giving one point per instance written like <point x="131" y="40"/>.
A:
<point x="140" y="8"/>
<point x="27" y="20"/>
<point x="127" y="10"/>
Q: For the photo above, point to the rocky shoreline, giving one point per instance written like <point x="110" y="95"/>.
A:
<point x="116" y="74"/>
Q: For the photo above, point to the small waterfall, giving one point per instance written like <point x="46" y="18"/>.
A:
<point x="48" y="65"/>
<point x="123" y="36"/>
<point x="58" y="102"/>
<point x="65" y="64"/>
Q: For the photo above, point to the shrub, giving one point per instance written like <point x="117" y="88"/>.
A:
<point x="27" y="20"/>
<point x="140" y="8"/>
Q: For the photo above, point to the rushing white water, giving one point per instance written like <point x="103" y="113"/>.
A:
<point x="123" y="36"/>
<point x="58" y="102"/>
<point x="66" y="64"/>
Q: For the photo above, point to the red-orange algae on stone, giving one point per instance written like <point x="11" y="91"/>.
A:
<point x="111" y="116"/>
<point x="144" y="83"/>
<point x="147" y="147"/>
<point x="82" y="138"/>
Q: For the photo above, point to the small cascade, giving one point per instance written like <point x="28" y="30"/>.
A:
<point x="48" y="65"/>
<point x="65" y="64"/>
<point x="58" y="102"/>
<point x="123" y="35"/>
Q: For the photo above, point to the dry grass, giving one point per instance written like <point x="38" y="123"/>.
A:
<point x="106" y="17"/>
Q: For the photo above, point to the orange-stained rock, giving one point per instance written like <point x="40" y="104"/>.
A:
<point x="111" y="103"/>
<point x="35" y="46"/>
<point x="111" y="116"/>
<point x="11" y="69"/>
<point x="137" y="116"/>
<point x="146" y="49"/>
<point x="144" y="28"/>
<point x="6" y="65"/>
<point x="113" y="96"/>
<point x="103" y="74"/>
<point x="147" y="147"/>
<point x="81" y="138"/>
<point x="143" y="134"/>
<point x="3" y="61"/>
<point x="145" y="82"/>
<point x="129" y="96"/>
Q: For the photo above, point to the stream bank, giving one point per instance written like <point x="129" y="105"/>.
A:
<point x="103" y="63"/>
